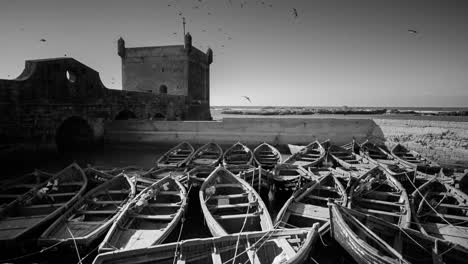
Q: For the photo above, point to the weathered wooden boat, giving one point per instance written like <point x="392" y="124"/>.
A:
<point x="149" y="218"/>
<point x="230" y="205"/>
<point x="441" y="210"/>
<point x="414" y="159"/>
<point x="38" y="207"/>
<point x="286" y="246"/>
<point x="378" y="155"/>
<point x="267" y="156"/>
<point x="238" y="154"/>
<point x="311" y="155"/>
<point x="209" y="154"/>
<point x="12" y="189"/>
<point x="288" y="177"/>
<point x="309" y="204"/>
<point x="378" y="193"/>
<point x="90" y="217"/>
<point x="199" y="174"/>
<point x="369" y="239"/>
<point x="177" y="156"/>
<point x="346" y="158"/>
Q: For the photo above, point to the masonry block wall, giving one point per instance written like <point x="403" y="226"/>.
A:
<point x="173" y="70"/>
<point x="50" y="91"/>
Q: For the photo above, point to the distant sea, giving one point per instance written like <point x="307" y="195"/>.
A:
<point x="418" y="109"/>
<point x="423" y="113"/>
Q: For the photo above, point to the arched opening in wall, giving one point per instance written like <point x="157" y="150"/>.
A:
<point x="159" y="116"/>
<point x="125" y="115"/>
<point x="163" y="89"/>
<point x="74" y="134"/>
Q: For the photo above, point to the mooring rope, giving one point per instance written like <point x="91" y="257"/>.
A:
<point x="33" y="253"/>
<point x="76" y="246"/>
<point x="428" y="204"/>
<point x="243" y="224"/>
<point x="181" y="228"/>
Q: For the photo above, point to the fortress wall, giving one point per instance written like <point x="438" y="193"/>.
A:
<point x="446" y="142"/>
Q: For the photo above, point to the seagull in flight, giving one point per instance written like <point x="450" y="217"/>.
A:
<point x="295" y="13"/>
<point x="248" y="98"/>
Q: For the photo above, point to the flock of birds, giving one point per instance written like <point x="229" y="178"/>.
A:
<point x="243" y="4"/>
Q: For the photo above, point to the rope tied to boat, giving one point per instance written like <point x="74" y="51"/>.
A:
<point x="243" y="225"/>
<point x="176" y="252"/>
<point x="74" y="243"/>
<point x="33" y="253"/>
<point x="428" y="204"/>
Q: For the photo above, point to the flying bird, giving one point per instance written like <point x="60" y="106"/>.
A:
<point x="43" y="40"/>
<point x="413" y="31"/>
<point x="248" y="98"/>
<point x="295" y="13"/>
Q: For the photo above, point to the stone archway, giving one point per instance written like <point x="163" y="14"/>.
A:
<point x="125" y="115"/>
<point x="74" y="133"/>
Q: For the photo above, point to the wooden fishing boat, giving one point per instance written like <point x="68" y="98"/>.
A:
<point x="286" y="246"/>
<point x="412" y="158"/>
<point x="230" y="205"/>
<point x="369" y="239"/>
<point x="346" y="158"/>
<point x="207" y="155"/>
<point x="176" y="156"/>
<point x="267" y="156"/>
<point x="309" y="204"/>
<point x="378" y="193"/>
<point x="12" y="189"/>
<point x="440" y="210"/>
<point x="378" y="155"/>
<point x="90" y="218"/>
<point x="38" y="207"/>
<point x="311" y="155"/>
<point x="149" y="218"/>
<point x="238" y="154"/>
<point x="199" y="174"/>
<point x="287" y="177"/>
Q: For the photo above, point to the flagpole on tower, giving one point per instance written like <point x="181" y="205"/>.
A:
<point x="183" y="25"/>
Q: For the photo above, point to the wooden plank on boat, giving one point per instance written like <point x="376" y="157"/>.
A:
<point x="230" y="196"/>
<point x="216" y="257"/>
<point x="96" y="211"/>
<point x="43" y="205"/>
<point x="227" y="206"/>
<point x="235" y="216"/>
<point x="154" y="217"/>
<point x="164" y="205"/>
<point x="309" y="210"/>
<point x="449" y="216"/>
<point x="373" y="211"/>
<point x="378" y="201"/>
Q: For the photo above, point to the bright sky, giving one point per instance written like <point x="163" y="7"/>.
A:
<point x="355" y="53"/>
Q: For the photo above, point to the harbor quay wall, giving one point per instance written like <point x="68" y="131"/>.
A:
<point x="442" y="141"/>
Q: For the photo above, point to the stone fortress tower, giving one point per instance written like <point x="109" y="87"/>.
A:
<point x="173" y="70"/>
